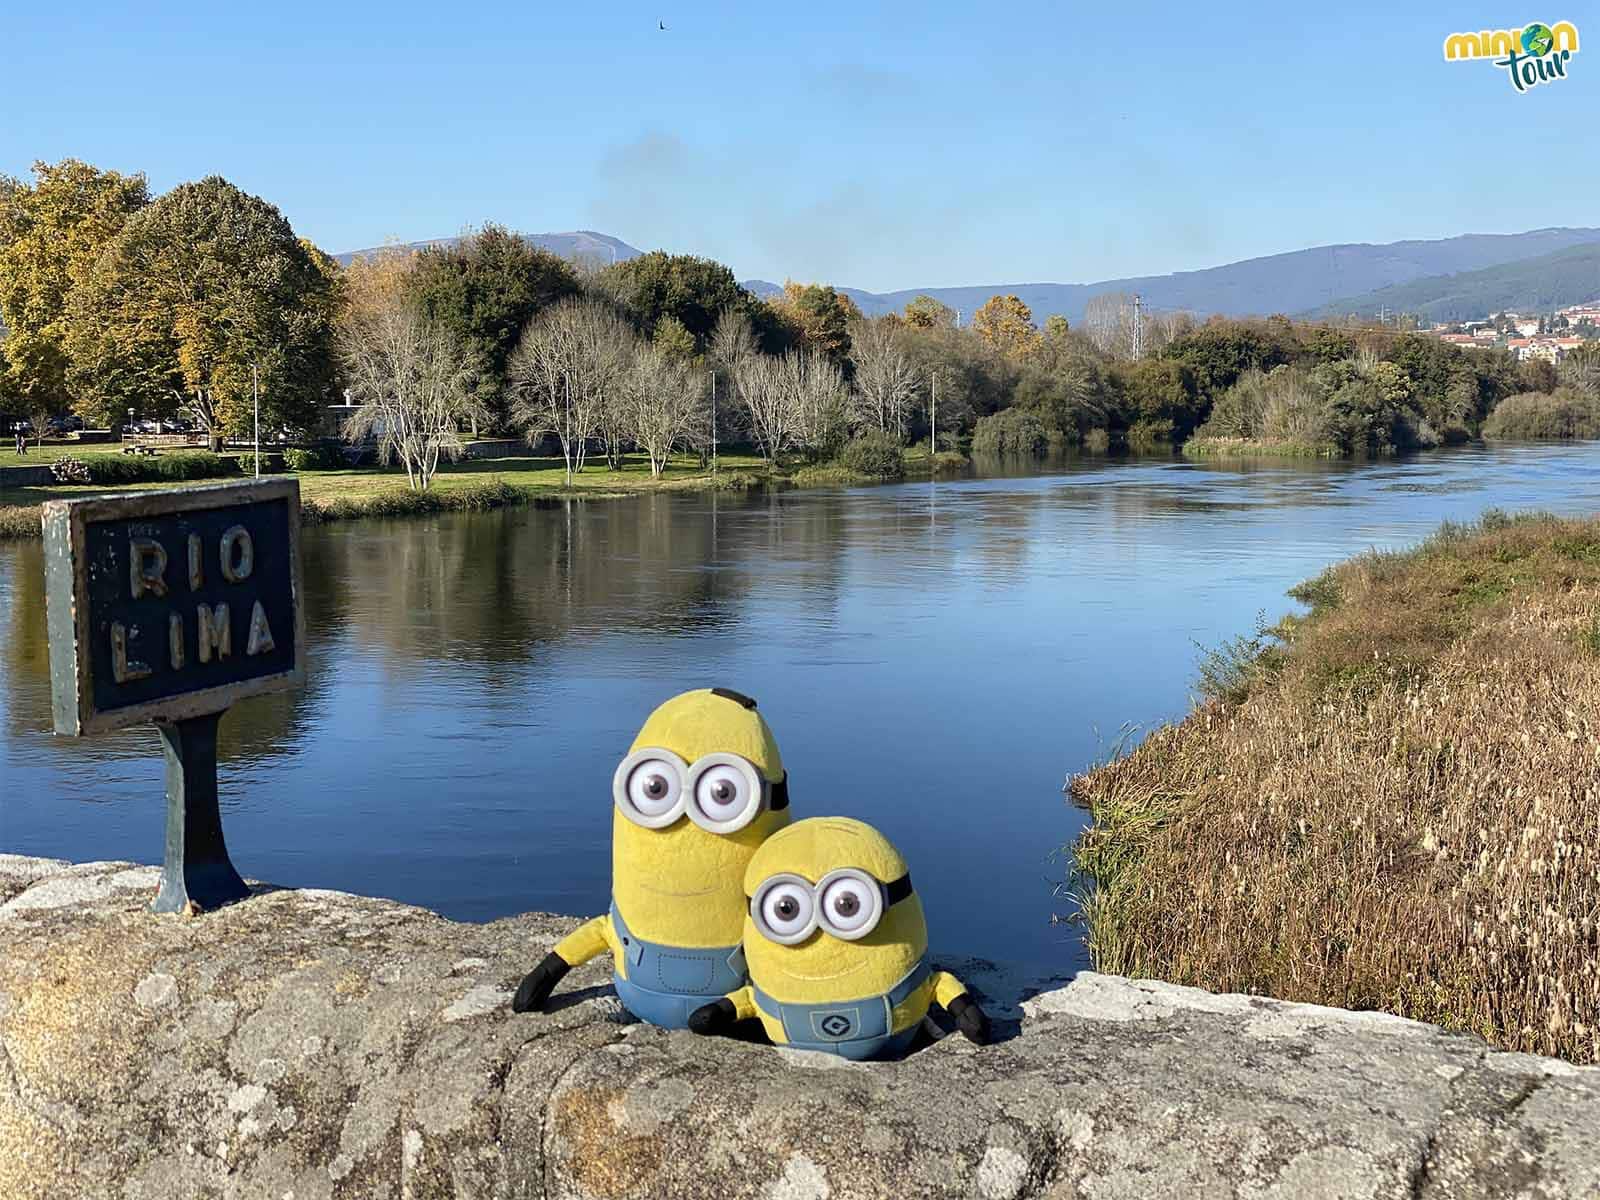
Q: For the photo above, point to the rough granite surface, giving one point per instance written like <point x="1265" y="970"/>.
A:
<point x="307" y="1044"/>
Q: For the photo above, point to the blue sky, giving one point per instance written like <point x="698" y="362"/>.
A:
<point x="882" y="147"/>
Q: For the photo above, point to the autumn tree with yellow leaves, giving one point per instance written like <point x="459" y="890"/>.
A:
<point x="52" y="232"/>
<point x="202" y="295"/>
<point x="1006" y="325"/>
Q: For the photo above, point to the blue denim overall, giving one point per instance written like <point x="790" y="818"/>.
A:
<point x="667" y="983"/>
<point x="851" y="1028"/>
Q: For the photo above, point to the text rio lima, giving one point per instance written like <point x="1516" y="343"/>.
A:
<point x="209" y="629"/>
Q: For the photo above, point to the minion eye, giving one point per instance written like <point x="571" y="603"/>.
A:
<point x="648" y="788"/>
<point x="851" y="903"/>
<point x="783" y="910"/>
<point x="727" y="793"/>
<point x="653" y="788"/>
<point x="721" y="791"/>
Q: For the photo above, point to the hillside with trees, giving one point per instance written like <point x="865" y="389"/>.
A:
<point x="1532" y="285"/>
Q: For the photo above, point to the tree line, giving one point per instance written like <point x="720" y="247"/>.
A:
<point x="191" y="303"/>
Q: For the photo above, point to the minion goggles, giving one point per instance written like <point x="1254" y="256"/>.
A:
<point x="722" y="793"/>
<point x="847" y="903"/>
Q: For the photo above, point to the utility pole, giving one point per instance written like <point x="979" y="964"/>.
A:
<point x="1138" y="327"/>
<point x="713" y="422"/>
<point x="933" y="420"/>
<point x="255" y="392"/>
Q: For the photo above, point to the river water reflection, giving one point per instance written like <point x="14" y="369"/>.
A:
<point x="934" y="657"/>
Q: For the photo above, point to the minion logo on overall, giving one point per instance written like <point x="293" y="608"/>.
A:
<point x="837" y="947"/>
<point x="702" y="787"/>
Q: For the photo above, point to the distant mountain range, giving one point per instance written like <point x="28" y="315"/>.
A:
<point x="578" y="244"/>
<point x="1328" y="278"/>
<point x="1454" y="278"/>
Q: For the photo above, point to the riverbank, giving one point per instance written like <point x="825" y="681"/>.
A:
<point x="476" y="486"/>
<point x="318" y="1044"/>
<point x="1389" y="804"/>
<point x="1225" y="447"/>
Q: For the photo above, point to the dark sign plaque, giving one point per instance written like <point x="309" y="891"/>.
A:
<point x="168" y="606"/>
<point x="171" y="604"/>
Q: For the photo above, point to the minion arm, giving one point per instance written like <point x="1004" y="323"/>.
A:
<point x="587" y="941"/>
<point x="951" y="995"/>
<point x="744" y="1004"/>
<point x="720" y="1015"/>
<point x="946" y="987"/>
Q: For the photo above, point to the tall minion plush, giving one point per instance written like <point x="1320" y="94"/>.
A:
<point x="702" y="788"/>
<point x="837" y="947"/>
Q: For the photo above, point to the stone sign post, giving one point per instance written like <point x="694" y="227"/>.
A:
<point x="168" y="606"/>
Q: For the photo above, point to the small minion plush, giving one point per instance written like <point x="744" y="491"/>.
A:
<point x="701" y="789"/>
<point x="837" y="947"/>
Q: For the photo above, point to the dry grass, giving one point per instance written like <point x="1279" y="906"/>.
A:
<point x="1403" y="813"/>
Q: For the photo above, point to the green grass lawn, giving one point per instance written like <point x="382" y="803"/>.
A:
<point x="49" y="452"/>
<point x="541" y="474"/>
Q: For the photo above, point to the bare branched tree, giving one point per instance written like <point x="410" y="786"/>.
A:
<point x="565" y="375"/>
<point x="886" y="381"/>
<point x="663" y="405"/>
<point x="732" y="341"/>
<point x="764" y="393"/>
<point x="1108" y="320"/>
<point x="414" y="383"/>
<point x="819" y="398"/>
<point x="1161" y="329"/>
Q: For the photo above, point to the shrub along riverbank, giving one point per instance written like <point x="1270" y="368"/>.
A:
<point x="482" y="485"/>
<point x="1392" y="803"/>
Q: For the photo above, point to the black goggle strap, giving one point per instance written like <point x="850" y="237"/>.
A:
<point x="778" y="794"/>
<point x="897" y="891"/>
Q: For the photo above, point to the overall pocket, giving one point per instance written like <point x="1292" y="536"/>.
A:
<point x="690" y="974"/>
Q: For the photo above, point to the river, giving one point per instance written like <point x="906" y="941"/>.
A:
<point x="934" y="657"/>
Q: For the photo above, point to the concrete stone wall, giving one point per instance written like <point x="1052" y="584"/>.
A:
<point x="309" y="1044"/>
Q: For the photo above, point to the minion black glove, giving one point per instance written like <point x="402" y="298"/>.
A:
<point x="539" y="983"/>
<point x="716" y="1017"/>
<point x="970" y="1019"/>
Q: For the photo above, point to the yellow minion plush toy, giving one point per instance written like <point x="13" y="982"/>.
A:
<point x="702" y="788"/>
<point x="837" y="947"/>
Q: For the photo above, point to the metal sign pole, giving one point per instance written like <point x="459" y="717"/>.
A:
<point x="197" y="868"/>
